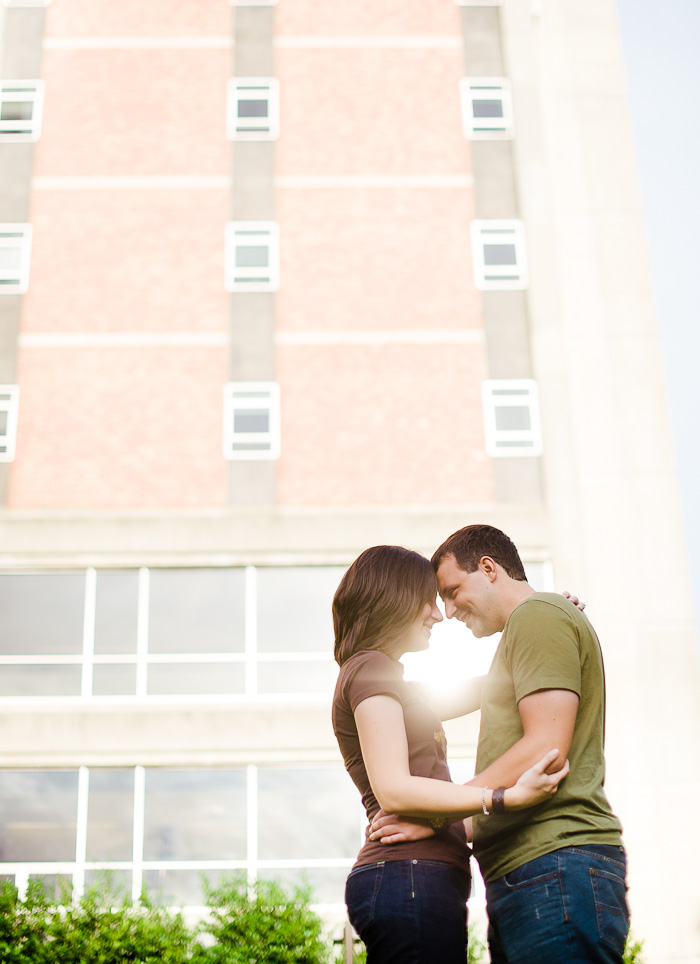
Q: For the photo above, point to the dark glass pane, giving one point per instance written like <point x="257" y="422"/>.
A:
<point x="185" y="679"/>
<point x="294" y="608"/>
<point x="110" y="882"/>
<point x="115" y="612"/>
<point x="16" y="110"/>
<point x="286" y="677"/>
<point x="512" y="418"/>
<point x="499" y="254"/>
<point x="324" y="800"/>
<point x="42" y="613"/>
<point x="38" y="811"/>
<point x="40" y="681"/>
<point x="252" y="256"/>
<point x="58" y="887"/>
<point x="110" y="814"/>
<point x="251" y="420"/>
<point x="179" y="888"/>
<point x="197" y="611"/>
<point x="252" y="108"/>
<point x="327" y="883"/>
<point x="487" y="108"/>
<point x="10" y="259"/>
<point x="195" y="815"/>
<point x="114" y="679"/>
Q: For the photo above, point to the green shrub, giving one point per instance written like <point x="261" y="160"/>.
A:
<point x="261" y="925"/>
<point x="633" y="951"/>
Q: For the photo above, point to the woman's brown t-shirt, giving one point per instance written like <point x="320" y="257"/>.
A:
<point x="371" y="673"/>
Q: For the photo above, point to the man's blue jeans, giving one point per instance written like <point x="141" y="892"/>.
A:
<point x="410" y="911"/>
<point x="568" y="906"/>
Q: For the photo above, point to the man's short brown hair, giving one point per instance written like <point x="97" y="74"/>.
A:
<point x="470" y="544"/>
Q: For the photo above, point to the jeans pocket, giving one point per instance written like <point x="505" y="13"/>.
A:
<point x="611" y="911"/>
<point x="361" y="891"/>
<point x="536" y="871"/>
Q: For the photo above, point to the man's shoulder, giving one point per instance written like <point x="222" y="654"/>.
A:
<point x="544" y="606"/>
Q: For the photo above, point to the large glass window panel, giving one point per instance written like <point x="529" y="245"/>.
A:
<point x="40" y="680"/>
<point x="38" y="811"/>
<point x="292" y="801"/>
<point x="294" y="608"/>
<point x="56" y="886"/>
<point x="200" y="679"/>
<point x="116" y="611"/>
<point x="110" y="814"/>
<point x="42" y="613"/>
<point x="195" y="814"/>
<point x="327" y="883"/>
<point x="114" y="882"/>
<point x="114" y="679"/>
<point x="197" y="611"/>
<point x="179" y="888"/>
<point x="286" y="677"/>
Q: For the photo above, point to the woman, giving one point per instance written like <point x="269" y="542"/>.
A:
<point x="408" y="901"/>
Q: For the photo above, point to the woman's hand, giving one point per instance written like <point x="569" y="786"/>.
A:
<point x="389" y="828"/>
<point x="535" y="785"/>
<point x="574" y="599"/>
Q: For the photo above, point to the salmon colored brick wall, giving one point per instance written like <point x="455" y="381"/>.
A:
<point x="138" y="18"/>
<point x="367" y="17"/>
<point x="119" y="428"/>
<point x="366" y="258"/>
<point x="360" y="111"/>
<point x="127" y="261"/>
<point x="134" y="112"/>
<point x="401" y="426"/>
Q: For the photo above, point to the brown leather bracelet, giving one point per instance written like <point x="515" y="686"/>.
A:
<point x="498" y="801"/>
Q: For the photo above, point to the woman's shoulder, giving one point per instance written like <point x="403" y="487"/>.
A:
<point x="369" y="664"/>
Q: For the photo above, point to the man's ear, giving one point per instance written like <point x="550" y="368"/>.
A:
<point x="488" y="567"/>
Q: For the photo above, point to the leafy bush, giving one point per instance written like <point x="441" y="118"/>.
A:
<point x="263" y="926"/>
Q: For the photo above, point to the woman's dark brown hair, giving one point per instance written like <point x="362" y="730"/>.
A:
<point x="380" y="595"/>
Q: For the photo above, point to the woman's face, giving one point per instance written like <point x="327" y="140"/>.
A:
<point x="417" y="635"/>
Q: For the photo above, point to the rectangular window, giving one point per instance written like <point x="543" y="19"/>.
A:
<point x="512" y="418"/>
<point x="251" y="420"/>
<point x="9" y="403"/>
<point x="252" y="256"/>
<point x="252" y="109"/>
<point x="15" y="250"/>
<point x="498" y="251"/>
<point x="487" y="111"/>
<point x="21" y="104"/>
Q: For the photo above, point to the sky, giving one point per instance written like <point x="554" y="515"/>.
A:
<point x="660" y="45"/>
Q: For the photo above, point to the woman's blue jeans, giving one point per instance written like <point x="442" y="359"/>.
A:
<point x="569" y="905"/>
<point x="410" y="911"/>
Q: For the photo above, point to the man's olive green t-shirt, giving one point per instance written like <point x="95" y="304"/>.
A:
<point x="547" y="643"/>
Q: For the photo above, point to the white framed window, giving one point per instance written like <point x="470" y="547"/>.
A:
<point x="487" y="108"/>
<point x="512" y="417"/>
<point x="252" y="109"/>
<point x="9" y="402"/>
<point x="252" y="256"/>
<point x="21" y="107"/>
<point x="251" y="420"/>
<point x="15" y="252"/>
<point x="498" y="250"/>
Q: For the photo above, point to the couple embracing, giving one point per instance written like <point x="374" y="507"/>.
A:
<point x="547" y="842"/>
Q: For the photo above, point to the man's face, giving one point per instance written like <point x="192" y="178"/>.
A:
<point x="470" y="597"/>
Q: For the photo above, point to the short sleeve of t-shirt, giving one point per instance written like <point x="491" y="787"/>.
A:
<point x="370" y="674"/>
<point x="543" y="649"/>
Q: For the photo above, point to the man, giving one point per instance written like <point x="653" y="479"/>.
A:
<point x="555" y="874"/>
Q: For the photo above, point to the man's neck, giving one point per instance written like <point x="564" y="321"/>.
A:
<point x="516" y="592"/>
